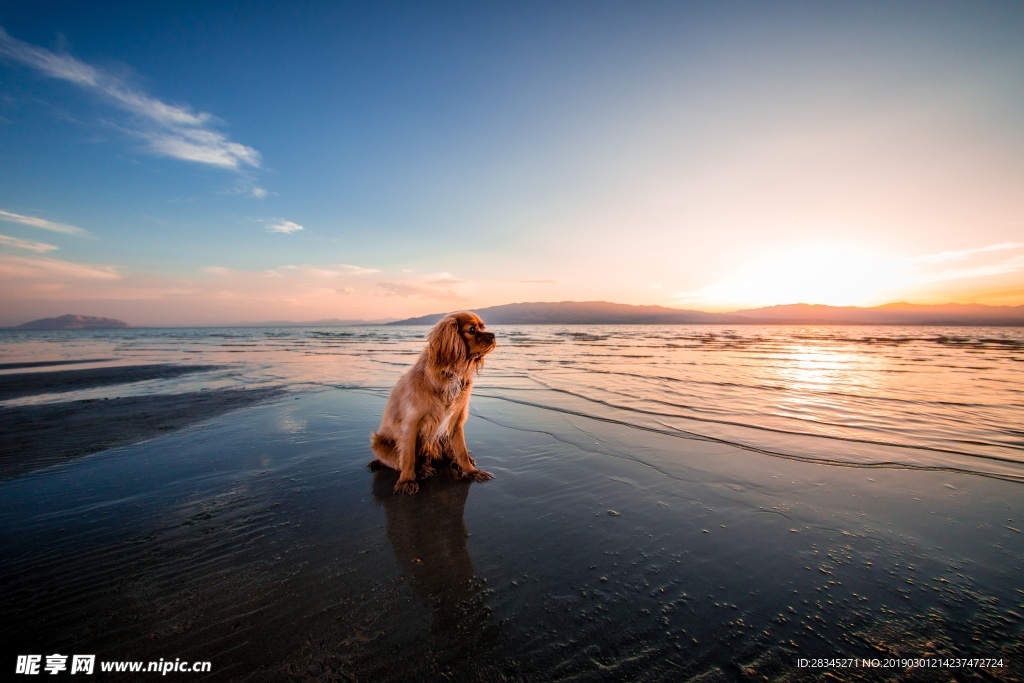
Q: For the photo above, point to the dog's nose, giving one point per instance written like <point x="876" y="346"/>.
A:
<point x="489" y="336"/>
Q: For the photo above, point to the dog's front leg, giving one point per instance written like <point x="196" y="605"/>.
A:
<point x="465" y="463"/>
<point x="407" y="459"/>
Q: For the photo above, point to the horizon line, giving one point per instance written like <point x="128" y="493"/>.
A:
<point x="359" y="322"/>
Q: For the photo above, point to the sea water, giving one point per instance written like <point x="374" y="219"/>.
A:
<point x="947" y="398"/>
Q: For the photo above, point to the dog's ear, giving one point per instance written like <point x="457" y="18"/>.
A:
<point x="445" y="345"/>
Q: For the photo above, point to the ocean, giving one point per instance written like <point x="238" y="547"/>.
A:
<point x="902" y="397"/>
<point x="701" y="503"/>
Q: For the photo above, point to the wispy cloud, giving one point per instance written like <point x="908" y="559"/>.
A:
<point x="538" y="282"/>
<point x="417" y="291"/>
<point x="286" y="227"/>
<point x="218" y="270"/>
<point x="302" y="286"/>
<point x="326" y="270"/>
<point x="446" y="282"/>
<point x="46" y="268"/>
<point x="331" y="270"/>
<point x="962" y="254"/>
<point x="42" y="223"/>
<point x="439" y="286"/>
<point x="358" y="270"/>
<point x="201" y="146"/>
<point x="245" y="185"/>
<point x="992" y="260"/>
<point x="170" y="130"/>
<point x="15" y="243"/>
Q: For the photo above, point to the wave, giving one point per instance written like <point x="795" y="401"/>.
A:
<point x="676" y="432"/>
<point x="775" y="430"/>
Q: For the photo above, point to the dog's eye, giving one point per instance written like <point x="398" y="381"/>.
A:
<point x="472" y="329"/>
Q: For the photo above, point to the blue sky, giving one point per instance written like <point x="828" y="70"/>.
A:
<point x="206" y="163"/>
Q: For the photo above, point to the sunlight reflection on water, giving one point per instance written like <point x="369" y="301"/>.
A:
<point x="950" y="389"/>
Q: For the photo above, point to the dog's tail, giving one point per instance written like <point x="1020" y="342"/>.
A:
<point x="384" y="447"/>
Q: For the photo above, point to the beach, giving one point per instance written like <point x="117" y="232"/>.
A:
<point x="250" y="534"/>
<point x="37" y="436"/>
<point x="728" y="299"/>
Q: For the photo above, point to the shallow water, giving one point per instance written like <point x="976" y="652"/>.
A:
<point x="917" y="397"/>
<point x="670" y="503"/>
<point x="259" y="542"/>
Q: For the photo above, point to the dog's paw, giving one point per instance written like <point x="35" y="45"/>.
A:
<point x="375" y="465"/>
<point x="426" y="472"/>
<point x="478" y="475"/>
<point x="407" y="487"/>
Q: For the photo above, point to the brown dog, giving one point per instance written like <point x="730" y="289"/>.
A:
<point x="429" y="405"/>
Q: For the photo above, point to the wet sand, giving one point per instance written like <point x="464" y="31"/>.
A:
<point x="33" y="437"/>
<point x="261" y="543"/>
<point x="30" y="383"/>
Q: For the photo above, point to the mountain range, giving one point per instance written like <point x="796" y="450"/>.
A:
<point x="73" y="322"/>
<point x="606" y="313"/>
<point x="603" y="312"/>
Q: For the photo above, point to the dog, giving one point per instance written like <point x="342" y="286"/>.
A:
<point x="428" y="407"/>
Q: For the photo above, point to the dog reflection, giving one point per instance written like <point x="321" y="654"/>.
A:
<point x="428" y="536"/>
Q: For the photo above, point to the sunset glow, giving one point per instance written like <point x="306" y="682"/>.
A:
<point x="830" y="275"/>
<point x="352" y="168"/>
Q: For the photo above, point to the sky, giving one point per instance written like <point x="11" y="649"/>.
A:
<point x="198" y="163"/>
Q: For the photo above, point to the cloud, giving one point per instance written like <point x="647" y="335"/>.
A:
<point x="326" y="270"/>
<point x="538" y="282"/>
<point x="245" y="185"/>
<point x="200" y="146"/>
<point x="414" y="290"/>
<point x="357" y="270"/>
<point x="330" y="270"/>
<point x="47" y="268"/>
<point x="14" y="242"/>
<point x="218" y="293"/>
<point x="446" y="282"/>
<point x="441" y="286"/>
<point x="169" y="130"/>
<point x="965" y="264"/>
<point x="42" y="223"/>
<point x="287" y="227"/>
<point x="56" y="66"/>
<point x="945" y="256"/>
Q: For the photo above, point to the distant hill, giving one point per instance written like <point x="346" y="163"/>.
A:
<point x="605" y="313"/>
<point x="73" y="322"/>
<point x="889" y="314"/>
<point x="583" y="312"/>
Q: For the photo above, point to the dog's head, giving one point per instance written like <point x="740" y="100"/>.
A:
<point x="458" y="338"/>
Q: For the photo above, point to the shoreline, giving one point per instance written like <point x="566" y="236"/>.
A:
<point x="262" y="544"/>
<point x="21" y="384"/>
<point x="33" y="437"/>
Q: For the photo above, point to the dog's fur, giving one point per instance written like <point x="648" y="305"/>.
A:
<point x="428" y="407"/>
